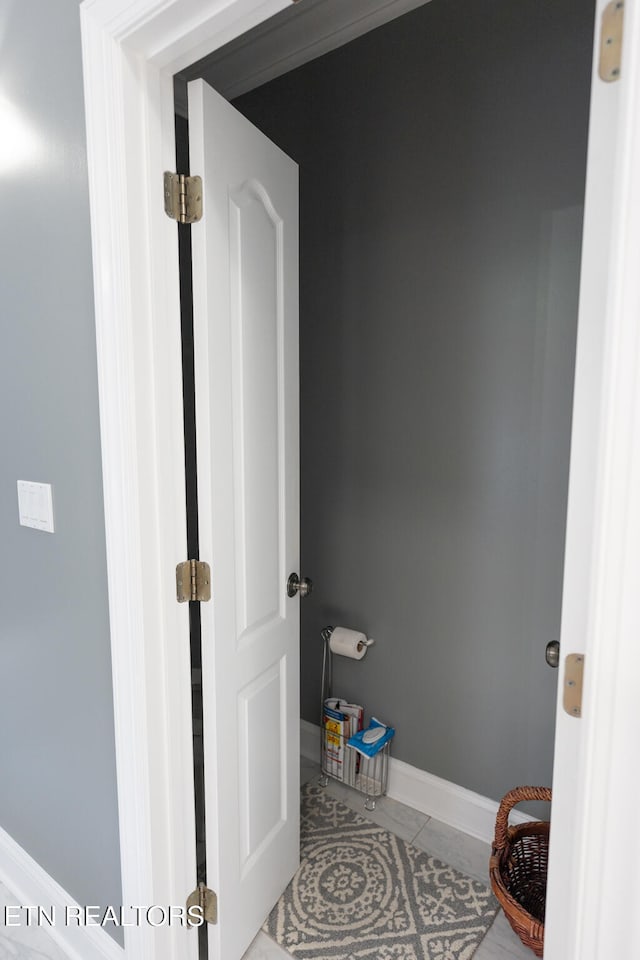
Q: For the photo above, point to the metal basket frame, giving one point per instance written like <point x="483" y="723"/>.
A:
<point x="368" y="775"/>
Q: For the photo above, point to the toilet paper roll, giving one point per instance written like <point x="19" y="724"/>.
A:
<point x="348" y="643"/>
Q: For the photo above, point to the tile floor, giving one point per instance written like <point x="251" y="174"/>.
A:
<point x="458" y="849"/>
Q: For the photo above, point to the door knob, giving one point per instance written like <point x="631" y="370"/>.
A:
<point x="552" y="653"/>
<point x="296" y="585"/>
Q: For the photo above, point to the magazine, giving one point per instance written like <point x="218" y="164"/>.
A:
<point x="333" y="748"/>
<point x="340" y="721"/>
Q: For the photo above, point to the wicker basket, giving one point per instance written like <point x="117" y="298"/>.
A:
<point x="518" y="868"/>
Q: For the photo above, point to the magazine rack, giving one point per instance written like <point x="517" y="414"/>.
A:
<point x="367" y="775"/>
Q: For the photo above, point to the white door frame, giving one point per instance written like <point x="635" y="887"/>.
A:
<point x="599" y="556"/>
<point x="131" y="49"/>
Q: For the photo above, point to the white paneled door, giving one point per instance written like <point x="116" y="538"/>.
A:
<point x="245" y="275"/>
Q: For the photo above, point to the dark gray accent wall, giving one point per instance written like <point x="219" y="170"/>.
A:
<point x="57" y="756"/>
<point x="442" y="164"/>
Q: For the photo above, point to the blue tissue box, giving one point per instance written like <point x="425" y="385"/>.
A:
<point x="371" y="749"/>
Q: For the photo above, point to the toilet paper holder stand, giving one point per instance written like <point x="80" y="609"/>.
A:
<point x="327" y="662"/>
<point x="373" y="771"/>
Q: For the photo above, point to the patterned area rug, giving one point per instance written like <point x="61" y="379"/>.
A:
<point x="361" y="893"/>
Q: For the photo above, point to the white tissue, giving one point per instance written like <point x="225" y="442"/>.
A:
<point x="349" y="643"/>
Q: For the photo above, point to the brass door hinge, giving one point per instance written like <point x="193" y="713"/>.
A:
<point x="182" y="197"/>
<point x="193" y="581"/>
<point x="207" y="902"/>
<point x="573" y="676"/>
<point x="611" y="32"/>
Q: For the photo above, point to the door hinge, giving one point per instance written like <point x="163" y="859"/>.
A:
<point x="193" y="581"/>
<point x="573" y="677"/>
<point x="182" y="197"/>
<point x="207" y="903"/>
<point x="611" y="32"/>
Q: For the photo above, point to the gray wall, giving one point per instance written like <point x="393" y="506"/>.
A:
<point x="442" y="162"/>
<point x="58" y="783"/>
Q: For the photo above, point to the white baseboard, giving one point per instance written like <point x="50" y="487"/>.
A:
<point x="310" y="740"/>
<point x="433" y="796"/>
<point x="30" y="885"/>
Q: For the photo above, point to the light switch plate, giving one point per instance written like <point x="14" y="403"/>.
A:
<point x="35" y="505"/>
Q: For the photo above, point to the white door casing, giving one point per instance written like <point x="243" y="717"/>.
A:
<point x="245" y="286"/>
<point x="601" y="610"/>
<point x="130" y="53"/>
<point x="583" y="478"/>
<point x="131" y="50"/>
